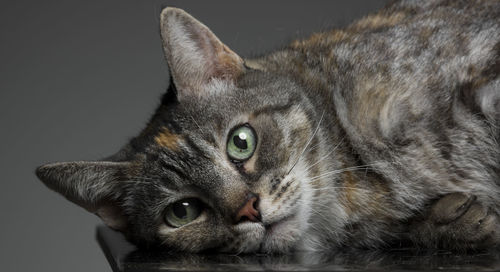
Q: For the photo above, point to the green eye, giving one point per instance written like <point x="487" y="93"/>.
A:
<point x="241" y="143"/>
<point x="182" y="212"/>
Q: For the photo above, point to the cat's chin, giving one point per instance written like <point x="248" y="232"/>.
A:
<point x="278" y="237"/>
<point x="250" y="237"/>
<point x="281" y="236"/>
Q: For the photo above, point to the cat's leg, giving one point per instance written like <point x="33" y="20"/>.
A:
<point x="457" y="221"/>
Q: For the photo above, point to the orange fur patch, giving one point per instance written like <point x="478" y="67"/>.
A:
<point x="379" y="20"/>
<point x="350" y="192"/>
<point x="322" y="39"/>
<point x="168" y="139"/>
<point x="229" y="64"/>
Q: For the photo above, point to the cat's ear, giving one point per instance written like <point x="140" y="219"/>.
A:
<point x="194" y="54"/>
<point x="95" y="186"/>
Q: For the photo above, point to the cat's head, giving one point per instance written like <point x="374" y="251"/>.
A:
<point x="221" y="164"/>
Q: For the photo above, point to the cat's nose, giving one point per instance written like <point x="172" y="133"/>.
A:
<point x="249" y="210"/>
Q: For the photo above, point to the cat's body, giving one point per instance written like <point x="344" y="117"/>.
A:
<point x="416" y="90"/>
<point x="345" y="139"/>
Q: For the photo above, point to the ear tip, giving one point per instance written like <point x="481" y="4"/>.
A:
<point x="46" y="172"/>
<point x="171" y="11"/>
<point x="43" y="172"/>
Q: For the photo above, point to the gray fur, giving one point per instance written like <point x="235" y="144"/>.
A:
<point x="366" y="137"/>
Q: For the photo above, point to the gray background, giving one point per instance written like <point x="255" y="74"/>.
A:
<point x="79" y="78"/>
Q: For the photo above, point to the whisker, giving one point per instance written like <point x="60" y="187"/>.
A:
<point x="307" y="144"/>
<point x="196" y="123"/>
<point x="325" y="156"/>
<point x="331" y="173"/>
<point x="343" y="187"/>
<point x="338" y="171"/>
<point x="360" y="167"/>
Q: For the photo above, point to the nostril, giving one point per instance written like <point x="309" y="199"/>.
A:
<point x="254" y="205"/>
<point x="249" y="210"/>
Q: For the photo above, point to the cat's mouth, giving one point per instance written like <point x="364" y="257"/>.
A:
<point x="272" y="227"/>
<point x="280" y="235"/>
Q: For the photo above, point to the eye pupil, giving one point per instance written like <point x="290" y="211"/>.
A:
<point x="240" y="141"/>
<point x="180" y="210"/>
<point x="241" y="144"/>
<point x="183" y="212"/>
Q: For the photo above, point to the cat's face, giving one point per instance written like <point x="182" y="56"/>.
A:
<point x="214" y="154"/>
<point x="221" y="165"/>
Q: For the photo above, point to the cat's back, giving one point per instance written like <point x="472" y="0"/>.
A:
<point x="419" y="84"/>
<point x="415" y="59"/>
<point x="431" y="40"/>
<point x="416" y="88"/>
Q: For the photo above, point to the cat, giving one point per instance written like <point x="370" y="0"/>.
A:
<point x="378" y="134"/>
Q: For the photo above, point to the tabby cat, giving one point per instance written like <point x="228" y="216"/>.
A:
<point x="382" y="132"/>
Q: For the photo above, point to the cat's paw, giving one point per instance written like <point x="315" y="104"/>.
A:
<point x="457" y="221"/>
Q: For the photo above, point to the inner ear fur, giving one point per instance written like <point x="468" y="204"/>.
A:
<point x="194" y="54"/>
<point x="95" y="186"/>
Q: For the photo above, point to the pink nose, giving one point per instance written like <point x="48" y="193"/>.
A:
<point x="248" y="211"/>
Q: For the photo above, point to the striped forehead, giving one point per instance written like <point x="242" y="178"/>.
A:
<point x="195" y="142"/>
<point x="181" y="159"/>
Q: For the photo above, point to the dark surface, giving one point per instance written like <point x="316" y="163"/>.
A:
<point x="124" y="256"/>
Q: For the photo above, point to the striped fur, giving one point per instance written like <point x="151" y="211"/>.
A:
<point x="366" y="137"/>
